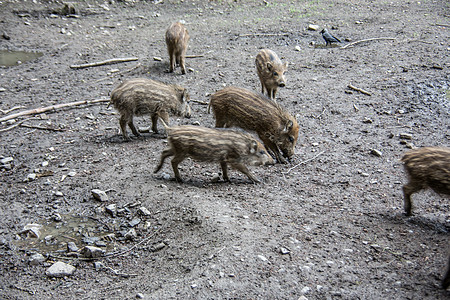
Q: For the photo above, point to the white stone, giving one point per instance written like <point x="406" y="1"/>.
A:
<point x="60" y="269"/>
<point x="36" y="259"/>
<point x="100" y="195"/>
<point x="92" y="252"/>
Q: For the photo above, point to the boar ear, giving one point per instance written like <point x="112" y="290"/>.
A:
<point x="253" y="147"/>
<point x="289" y="126"/>
<point x="269" y="66"/>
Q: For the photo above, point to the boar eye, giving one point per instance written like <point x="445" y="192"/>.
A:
<point x="261" y="152"/>
<point x="275" y="74"/>
<point x="291" y="139"/>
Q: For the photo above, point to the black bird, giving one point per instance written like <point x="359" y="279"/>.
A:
<point x="328" y="37"/>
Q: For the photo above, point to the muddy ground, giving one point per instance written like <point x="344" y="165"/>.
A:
<point x="329" y="225"/>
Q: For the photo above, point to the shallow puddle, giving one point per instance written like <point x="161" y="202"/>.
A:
<point x="14" y="58"/>
<point x="54" y="235"/>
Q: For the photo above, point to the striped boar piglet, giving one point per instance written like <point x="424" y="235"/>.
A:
<point x="177" y="39"/>
<point x="270" y="71"/>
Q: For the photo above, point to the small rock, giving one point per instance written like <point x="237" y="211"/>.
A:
<point x="36" y="259"/>
<point x="367" y="121"/>
<point x="191" y="70"/>
<point x="302" y="298"/>
<point x="57" y="217"/>
<point x="144" y="211"/>
<point x="100" y="244"/>
<point x="263" y="258"/>
<point x="297" y="48"/>
<point x="32" y="230"/>
<point x="409" y="145"/>
<point x="111" y="209"/>
<point x="44" y="163"/>
<point x="135" y="222"/>
<point x="72" y="247"/>
<point x="196" y="123"/>
<point x="90" y="240"/>
<point x="376" y="152"/>
<point x="72" y="174"/>
<point x="6" y="160"/>
<point x="130" y="234"/>
<point x="305" y="290"/>
<point x="99" y="195"/>
<point x="284" y="250"/>
<point x="60" y="269"/>
<point x="157" y="58"/>
<point x="6" y="36"/>
<point x="59" y="194"/>
<point x="313" y="27"/>
<point x="140" y="296"/>
<point x="92" y="252"/>
<point x="405" y="136"/>
<point x="158" y="247"/>
<point x="98" y="265"/>
<point x="215" y="178"/>
<point x="30" y="177"/>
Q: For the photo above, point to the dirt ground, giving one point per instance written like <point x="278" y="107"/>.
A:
<point x="328" y="225"/>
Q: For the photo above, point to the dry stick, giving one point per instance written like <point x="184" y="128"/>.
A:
<point x="105" y="62"/>
<point x="41" y="128"/>
<point x="194" y="56"/>
<point x="125" y="275"/>
<point x="367" y="40"/>
<point x="131" y="248"/>
<point x="119" y="73"/>
<point x="52" y="107"/>
<point x="10" y="110"/>
<point x="443" y="25"/>
<point x="359" y="90"/>
<point x="199" y="102"/>
<point x="18" y="124"/>
<point x="303" y="162"/>
<point x="263" y="34"/>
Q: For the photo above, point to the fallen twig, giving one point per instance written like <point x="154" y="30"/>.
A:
<point x="125" y="275"/>
<point x="105" y="62"/>
<point x="200" y="102"/>
<point x="115" y="254"/>
<point x="41" y="127"/>
<point x="303" y="162"/>
<point x="194" y="56"/>
<point x="263" y="34"/>
<point x="443" y="25"/>
<point x="52" y="107"/>
<point x="23" y="289"/>
<point x="323" y="111"/>
<point x="7" y="111"/>
<point x="119" y="73"/>
<point x="359" y="90"/>
<point x="367" y="40"/>
<point x="17" y="124"/>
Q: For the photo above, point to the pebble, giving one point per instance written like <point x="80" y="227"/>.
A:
<point x="130" y="234"/>
<point x="71" y="174"/>
<point x="144" y="211"/>
<point x="32" y="230"/>
<point x="60" y="269"/>
<point x="30" y="177"/>
<point x="157" y="58"/>
<point x="59" y="194"/>
<point x="297" y="48"/>
<point x="405" y="136"/>
<point x="263" y="258"/>
<point x="134" y="222"/>
<point x="6" y="160"/>
<point x="92" y="252"/>
<point x="313" y="27"/>
<point x="302" y="298"/>
<point x="36" y="259"/>
<point x="99" y="195"/>
<point x="284" y="250"/>
<point x="140" y="296"/>
<point x="158" y="247"/>
<point x="196" y="123"/>
<point x="376" y="152"/>
<point x="72" y="247"/>
<point x="57" y="217"/>
<point x="111" y="209"/>
<point x="367" y="121"/>
<point x="44" y="163"/>
<point x="215" y="178"/>
<point x="305" y="290"/>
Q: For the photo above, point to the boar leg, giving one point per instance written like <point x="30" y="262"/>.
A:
<point x="172" y="60"/>
<point x="176" y="160"/>
<point x="183" y="67"/>
<point x="224" y="167"/>
<point x="155" y="123"/>
<point x="409" y="189"/>
<point x="123" y="127"/>
<point x="166" y="153"/>
<point x="246" y="171"/>
<point x="133" y="129"/>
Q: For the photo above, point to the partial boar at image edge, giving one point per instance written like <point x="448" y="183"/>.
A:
<point x="223" y="146"/>
<point x="427" y="167"/>
<point x="238" y="107"/>
<point x="142" y="96"/>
